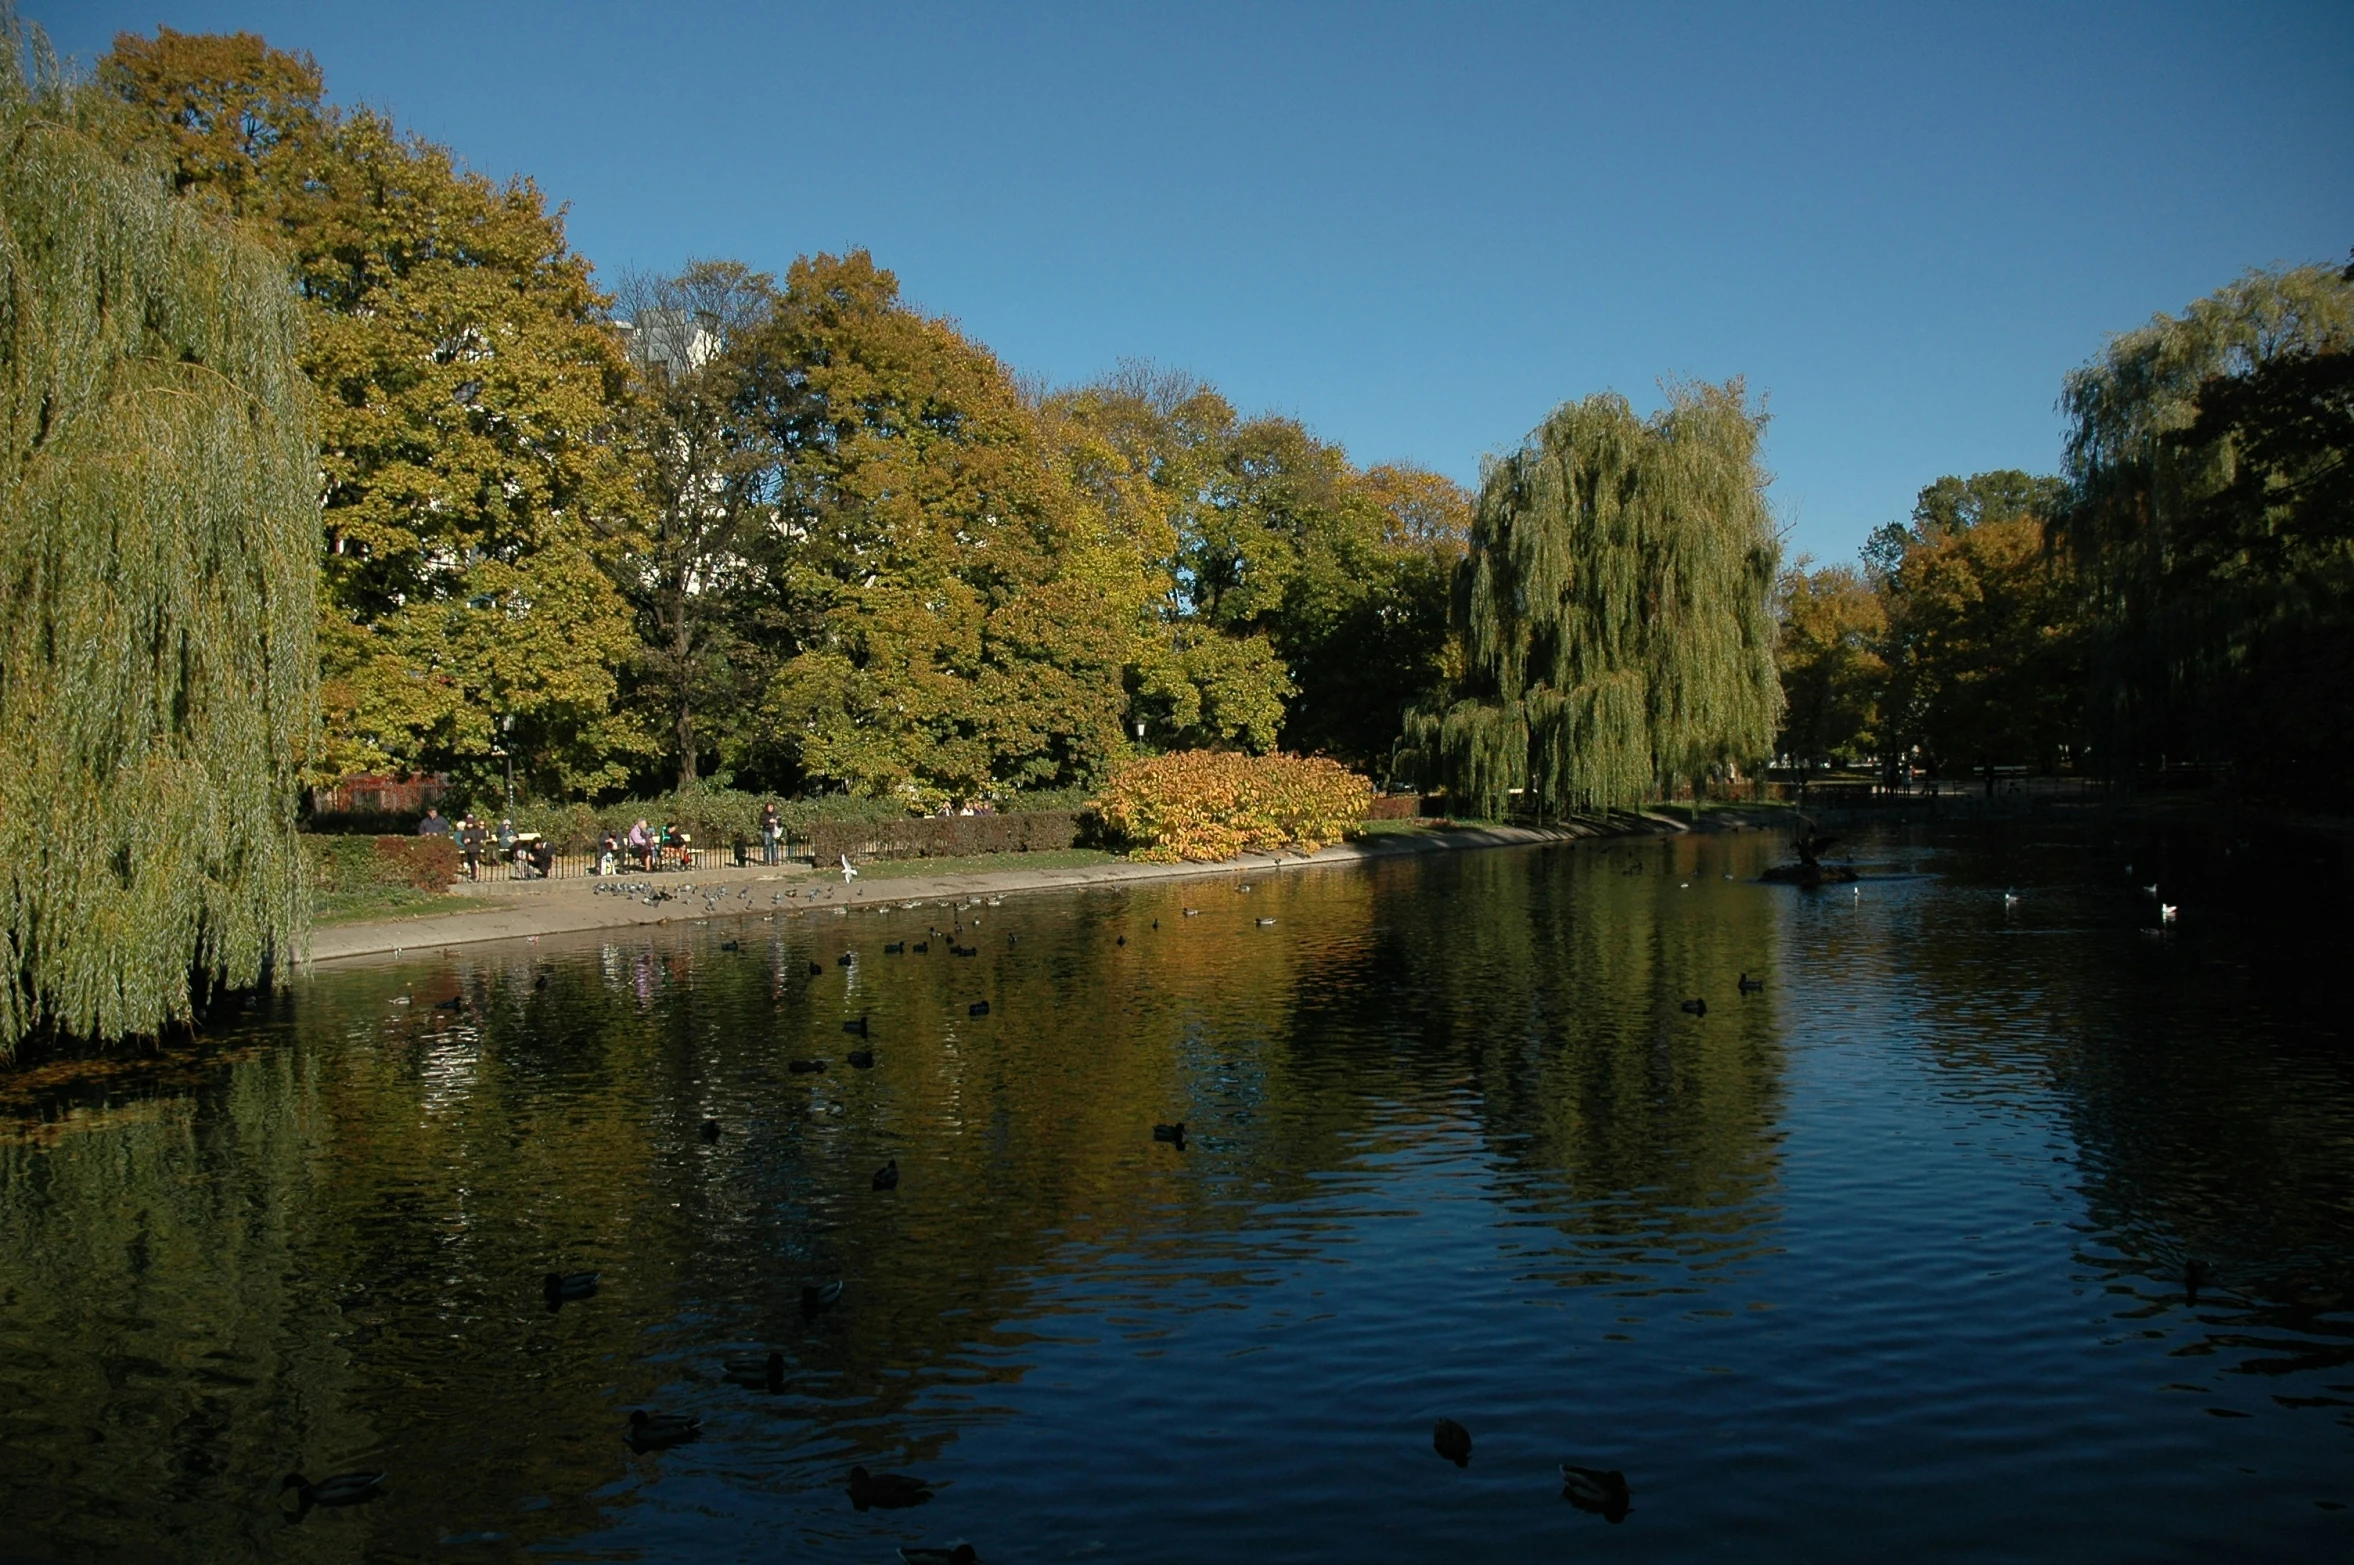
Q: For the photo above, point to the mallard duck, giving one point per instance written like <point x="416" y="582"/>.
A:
<point x="861" y="1059"/>
<point x="887" y="1177"/>
<point x="805" y="1067"/>
<point x="342" y="1489"/>
<point x="2196" y="1274"/>
<point x="766" y="1374"/>
<point x="731" y="945"/>
<point x="541" y="982"/>
<point x="1694" y="1007"/>
<point x="1452" y="1441"/>
<point x="1173" y="1133"/>
<point x="815" y="969"/>
<point x="1123" y="940"/>
<point x="886" y="1491"/>
<point x="658" y="1431"/>
<point x="977" y="1008"/>
<point x="923" y="947"/>
<point x="1751" y="985"/>
<point x="954" y="1554"/>
<point x="846" y="959"/>
<point x="856" y="1028"/>
<point x="1591" y="1489"/>
<point x="567" y="1287"/>
<point x="818" y="1297"/>
<point x="711" y="1130"/>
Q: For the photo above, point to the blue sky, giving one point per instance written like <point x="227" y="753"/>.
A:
<point x="1418" y="228"/>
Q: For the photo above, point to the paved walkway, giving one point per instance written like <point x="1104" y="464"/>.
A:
<point x="509" y="910"/>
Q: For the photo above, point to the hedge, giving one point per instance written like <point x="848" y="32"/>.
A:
<point x="952" y="836"/>
<point x="1209" y="805"/>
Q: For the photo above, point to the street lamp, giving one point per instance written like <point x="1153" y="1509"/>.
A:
<point x="507" y="727"/>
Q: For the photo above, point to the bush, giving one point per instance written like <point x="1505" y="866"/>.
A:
<point x="1208" y="805"/>
<point x="954" y="836"/>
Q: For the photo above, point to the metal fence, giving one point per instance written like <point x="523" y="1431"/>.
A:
<point x="585" y="866"/>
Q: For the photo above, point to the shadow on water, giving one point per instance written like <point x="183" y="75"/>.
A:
<point x="1453" y="1145"/>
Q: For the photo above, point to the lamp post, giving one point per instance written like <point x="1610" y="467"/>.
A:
<point x="502" y="749"/>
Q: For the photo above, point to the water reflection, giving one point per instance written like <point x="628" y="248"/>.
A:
<point x="1452" y="1146"/>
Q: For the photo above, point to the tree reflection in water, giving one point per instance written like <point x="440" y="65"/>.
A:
<point x="1451" y="1147"/>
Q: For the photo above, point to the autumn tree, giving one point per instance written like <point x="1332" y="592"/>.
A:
<point x="1829" y="650"/>
<point x="1615" y="609"/>
<point x="963" y="616"/>
<point x="158" y="561"/>
<point x="469" y="392"/>
<point x="2211" y="518"/>
<point x="1984" y="644"/>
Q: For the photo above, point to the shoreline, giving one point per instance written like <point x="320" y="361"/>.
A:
<point x="520" y="910"/>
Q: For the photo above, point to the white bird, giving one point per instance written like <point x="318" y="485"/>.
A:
<point x="2166" y="912"/>
<point x="848" y="874"/>
<point x="2010" y="899"/>
<point x="2150" y="890"/>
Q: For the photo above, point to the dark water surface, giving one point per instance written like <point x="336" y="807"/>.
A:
<point x="1887" y="1258"/>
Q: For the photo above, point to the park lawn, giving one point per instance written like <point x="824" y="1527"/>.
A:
<point x="1405" y="828"/>
<point x="362" y="904"/>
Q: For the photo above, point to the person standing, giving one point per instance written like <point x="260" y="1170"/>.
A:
<point x="471" y="840"/>
<point x="771" y="829"/>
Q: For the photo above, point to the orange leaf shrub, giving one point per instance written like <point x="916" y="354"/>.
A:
<point x="1207" y="805"/>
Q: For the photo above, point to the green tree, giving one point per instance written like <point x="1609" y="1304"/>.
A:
<point x="1615" y="609"/>
<point x="1338" y="576"/>
<point x="1984" y="641"/>
<point x="158" y="559"/>
<point x="1138" y="444"/>
<point x="711" y="477"/>
<point x="1829" y="650"/>
<point x="2211" y="519"/>
<point x="469" y="392"/>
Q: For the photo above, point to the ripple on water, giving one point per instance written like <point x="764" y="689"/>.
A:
<point x="1887" y="1256"/>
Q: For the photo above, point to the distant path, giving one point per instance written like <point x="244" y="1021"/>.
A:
<point x="511" y="910"/>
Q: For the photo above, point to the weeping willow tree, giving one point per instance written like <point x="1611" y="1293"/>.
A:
<point x="1614" y="610"/>
<point x="158" y="552"/>
<point x="2213" y="523"/>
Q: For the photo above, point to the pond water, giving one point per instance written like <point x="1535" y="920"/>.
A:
<point x="1888" y="1256"/>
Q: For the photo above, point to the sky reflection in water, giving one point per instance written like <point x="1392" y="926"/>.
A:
<point x="1886" y="1256"/>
